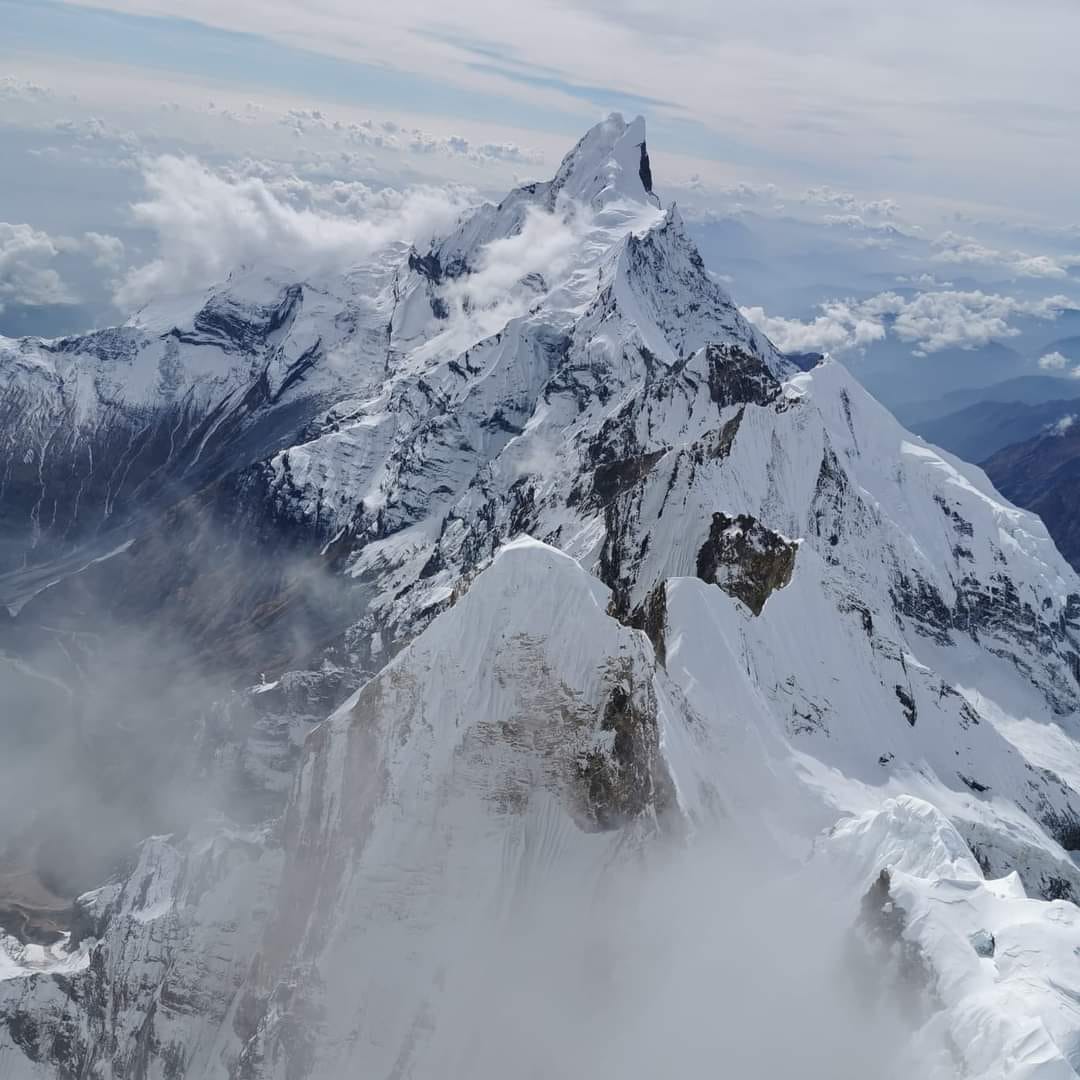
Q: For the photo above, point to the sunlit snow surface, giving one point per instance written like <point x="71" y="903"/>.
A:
<point x="443" y="899"/>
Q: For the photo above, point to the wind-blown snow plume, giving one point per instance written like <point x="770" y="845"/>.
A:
<point x="512" y="271"/>
<point x="207" y="225"/>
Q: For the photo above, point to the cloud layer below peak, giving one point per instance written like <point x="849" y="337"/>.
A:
<point x="207" y="224"/>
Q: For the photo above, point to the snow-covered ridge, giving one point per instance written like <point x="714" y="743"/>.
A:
<point x="625" y="575"/>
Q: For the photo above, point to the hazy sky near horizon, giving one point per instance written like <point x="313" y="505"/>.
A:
<point x="923" y="145"/>
<point x="970" y="102"/>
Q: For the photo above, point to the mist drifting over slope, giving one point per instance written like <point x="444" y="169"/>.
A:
<point x="537" y="674"/>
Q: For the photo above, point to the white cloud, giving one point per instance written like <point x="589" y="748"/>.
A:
<point x="1045" y="266"/>
<point x="25" y="274"/>
<point x="1063" y="425"/>
<point x="850" y="203"/>
<point x="511" y="271"/>
<point x="923" y="280"/>
<point x="1053" y="361"/>
<point x="838" y="330"/>
<point x="544" y="245"/>
<point x="106" y="251"/>
<point x="24" y="90"/>
<point x="28" y="276"/>
<point x="951" y="247"/>
<point x="388" y="135"/>
<point x="960" y="250"/>
<point x="931" y="321"/>
<point x="207" y="224"/>
<point x="867" y="232"/>
<point x="871" y="223"/>
<point x="92" y="129"/>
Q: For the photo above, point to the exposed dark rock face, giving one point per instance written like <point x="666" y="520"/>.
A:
<point x="921" y="602"/>
<point x="645" y="170"/>
<point x="651" y="616"/>
<point x="737" y="377"/>
<point x="837" y="508"/>
<point x="427" y="266"/>
<point x="982" y="941"/>
<point x="747" y="560"/>
<point x="993" y="610"/>
<point x="907" y="703"/>
<point x="630" y="778"/>
<point x="612" y="478"/>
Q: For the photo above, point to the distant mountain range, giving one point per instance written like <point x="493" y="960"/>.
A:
<point x="980" y="430"/>
<point x="1022" y="390"/>
<point x="503" y="588"/>
<point x="1025" y="432"/>
<point x="1042" y="474"/>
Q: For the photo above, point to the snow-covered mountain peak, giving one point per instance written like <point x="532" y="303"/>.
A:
<point x="662" y="285"/>
<point x="602" y="189"/>
<point x="609" y="163"/>
<point x="750" y="598"/>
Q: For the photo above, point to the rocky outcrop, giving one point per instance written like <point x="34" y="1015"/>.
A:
<point x="745" y="559"/>
<point x="737" y="565"/>
<point x="628" y="778"/>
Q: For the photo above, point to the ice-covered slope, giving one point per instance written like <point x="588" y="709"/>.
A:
<point x="1001" y="967"/>
<point x="751" y="603"/>
<point x="490" y="779"/>
<point x="102" y="429"/>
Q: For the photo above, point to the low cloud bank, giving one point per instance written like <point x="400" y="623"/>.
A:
<point x="931" y="321"/>
<point x="206" y="225"/>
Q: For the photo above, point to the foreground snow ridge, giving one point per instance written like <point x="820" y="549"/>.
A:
<point x="673" y="661"/>
<point x="1005" y="968"/>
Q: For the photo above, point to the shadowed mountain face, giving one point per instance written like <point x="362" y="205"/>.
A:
<point x="980" y="430"/>
<point x="1023" y="390"/>
<point x="456" y="631"/>
<point x="1042" y="474"/>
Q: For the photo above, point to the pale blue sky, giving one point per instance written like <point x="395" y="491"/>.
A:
<point x="822" y="149"/>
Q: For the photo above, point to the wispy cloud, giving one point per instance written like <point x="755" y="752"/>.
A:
<point x="958" y="250"/>
<point x="207" y="224"/>
<point x="1053" y="361"/>
<point x="26" y="276"/>
<point x="774" y="79"/>
<point x="29" y="276"/>
<point x="931" y="321"/>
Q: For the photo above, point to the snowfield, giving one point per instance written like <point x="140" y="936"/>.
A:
<point x="698" y="689"/>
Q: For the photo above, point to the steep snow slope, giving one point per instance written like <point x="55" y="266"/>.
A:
<point x="476" y="787"/>
<point x="99" y="429"/>
<point x="753" y="603"/>
<point x="1001" y="966"/>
